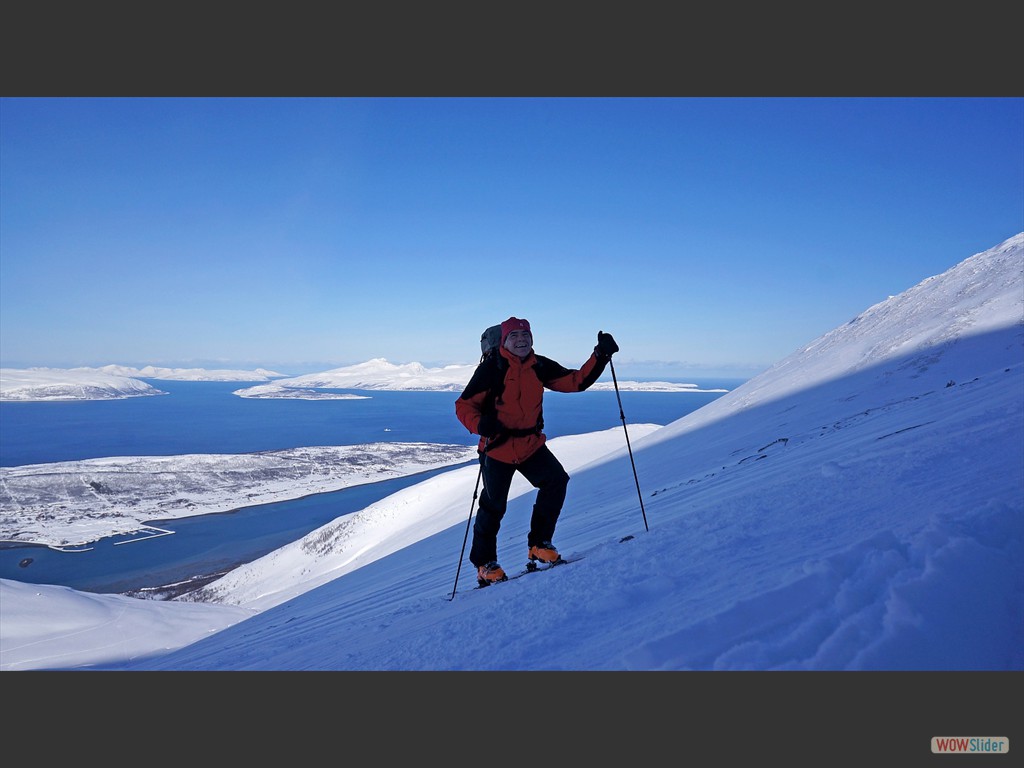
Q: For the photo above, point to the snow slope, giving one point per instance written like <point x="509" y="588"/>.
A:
<point x="858" y="506"/>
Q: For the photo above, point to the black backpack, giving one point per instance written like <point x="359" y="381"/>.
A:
<point x="490" y="340"/>
<point x="489" y="377"/>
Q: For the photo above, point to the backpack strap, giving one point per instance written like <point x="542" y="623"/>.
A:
<point x="489" y="377"/>
<point x="497" y="367"/>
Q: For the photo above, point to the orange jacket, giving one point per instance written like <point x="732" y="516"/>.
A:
<point x="514" y="388"/>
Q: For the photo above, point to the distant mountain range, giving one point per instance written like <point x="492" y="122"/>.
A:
<point x="114" y="382"/>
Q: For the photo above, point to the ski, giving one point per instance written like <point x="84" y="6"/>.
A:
<point x="535" y="566"/>
<point x="532" y="567"/>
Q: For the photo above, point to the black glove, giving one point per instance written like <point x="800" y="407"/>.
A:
<point x="489" y="425"/>
<point x="606" y="346"/>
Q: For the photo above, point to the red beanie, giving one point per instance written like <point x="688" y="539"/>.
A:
<point x="513" y="324"/>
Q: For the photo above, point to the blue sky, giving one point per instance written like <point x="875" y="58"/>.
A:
<point x="711" y="236"/>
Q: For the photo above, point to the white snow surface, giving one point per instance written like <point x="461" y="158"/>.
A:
<point x="858" y="506"/>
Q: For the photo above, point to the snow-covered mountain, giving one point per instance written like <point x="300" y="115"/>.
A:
<point x="378" y="373"/>
<point x="114" y="382"/>
<point x="108" y="382"/>
<point x="858" y="506"/>
<point x="186" y="374"/>
<point x="41" y="384"/>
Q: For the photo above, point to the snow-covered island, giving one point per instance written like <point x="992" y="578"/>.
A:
<point x="187" y="374"/>
<point x="379" y="374"/>
<point x="117" y="382"/>
<point x="108" y="382"/>
<point x="277" y="392"/>
<point x="60" y="384"/>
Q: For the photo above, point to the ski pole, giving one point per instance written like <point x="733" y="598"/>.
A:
<point x="465" y="537"/>
<point x="628" y="447"/>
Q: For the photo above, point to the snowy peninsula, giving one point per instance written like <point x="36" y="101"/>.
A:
<point x="73" y="503"/>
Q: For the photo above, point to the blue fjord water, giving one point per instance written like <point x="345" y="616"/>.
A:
<point x="205" y="417"/>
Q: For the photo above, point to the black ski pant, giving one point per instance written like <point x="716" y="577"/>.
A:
<point x="545" y="473"/>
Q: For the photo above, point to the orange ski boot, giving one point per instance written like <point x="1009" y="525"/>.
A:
<point x="489" y="574"/>
<point x="544" y="553"/>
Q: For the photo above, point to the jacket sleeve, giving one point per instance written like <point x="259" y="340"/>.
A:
<point x="469" y="406"/>
<point x="468" y="411"/>
<point x="561" y="379"/>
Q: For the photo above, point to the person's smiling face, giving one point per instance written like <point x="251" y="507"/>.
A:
<point x="519" y="342"/>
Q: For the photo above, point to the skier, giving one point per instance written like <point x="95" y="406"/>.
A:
<point x="503" y="403"/>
